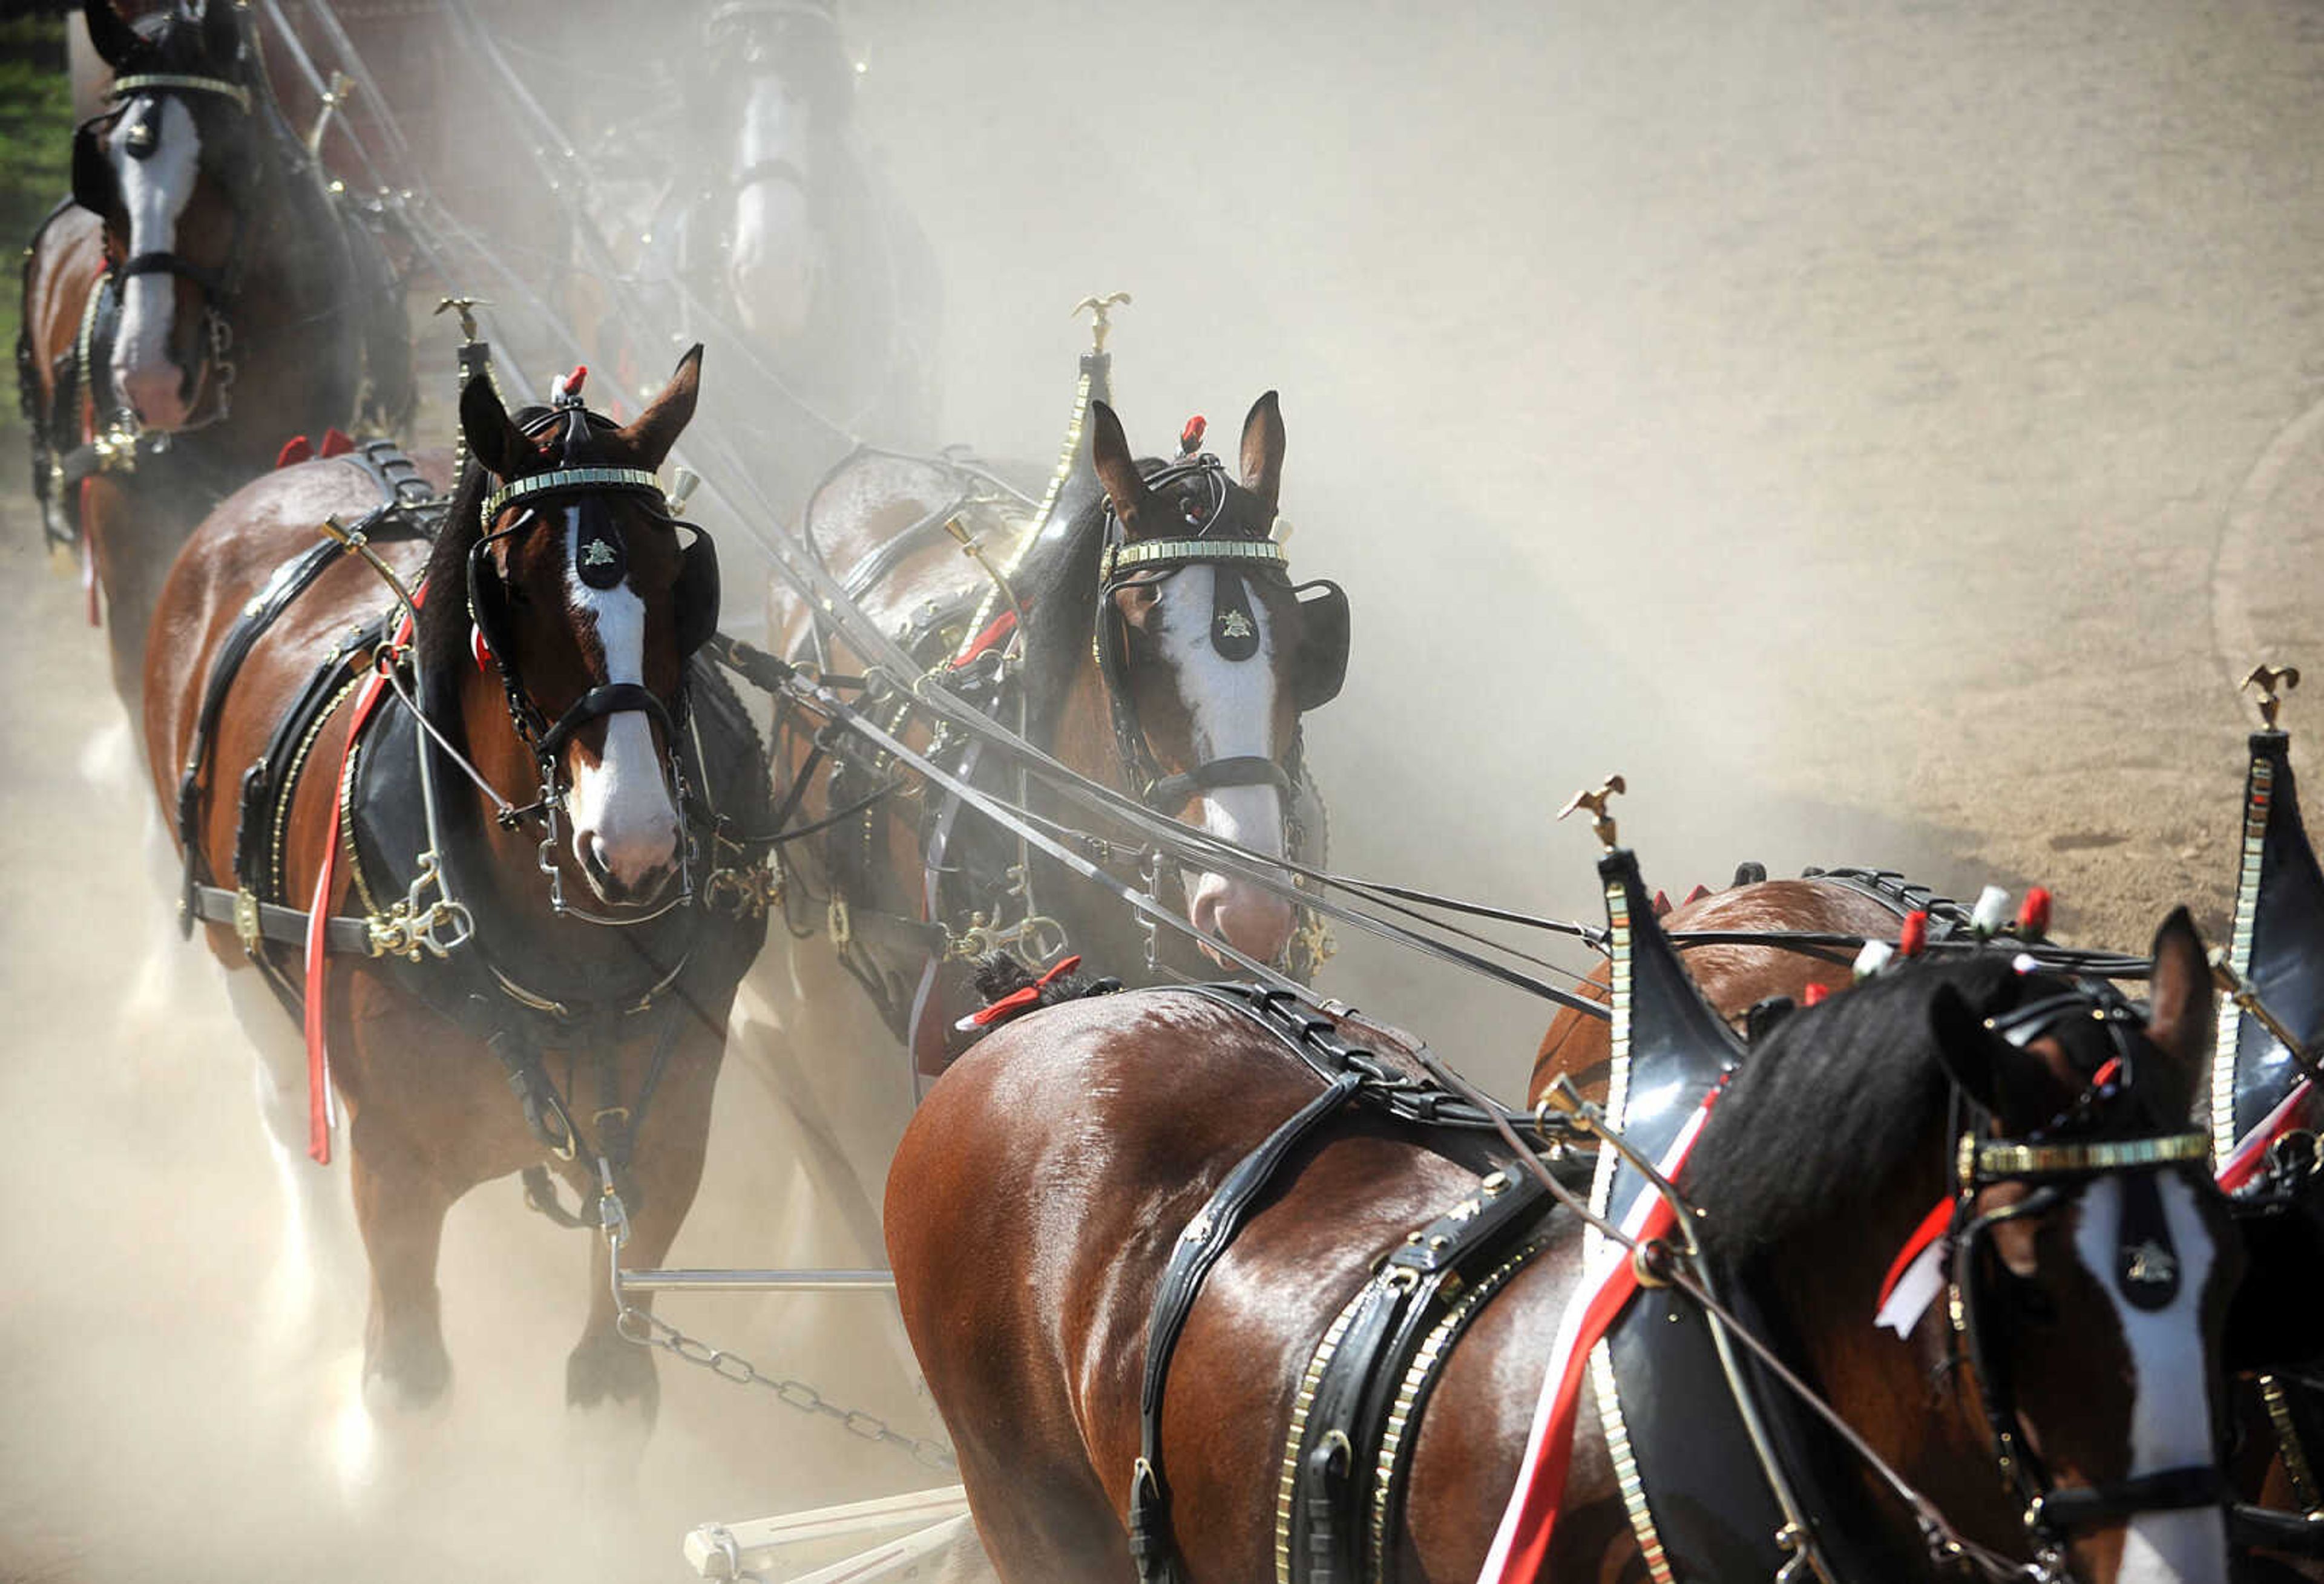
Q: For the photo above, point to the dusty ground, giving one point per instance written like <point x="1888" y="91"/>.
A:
<point x="1879" y="429"/>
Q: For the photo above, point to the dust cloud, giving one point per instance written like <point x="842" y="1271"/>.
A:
<point x="1826" y="415"/>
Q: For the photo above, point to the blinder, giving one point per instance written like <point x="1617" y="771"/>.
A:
<point x="94" y="185"/>
<point x="1320" y="667"/>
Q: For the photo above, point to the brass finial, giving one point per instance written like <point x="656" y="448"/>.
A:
<point x="1098" y="308"/>
<point x="2268" y="679"/>
<point x="466" y="308"/>
<point x="1602" y="824"/>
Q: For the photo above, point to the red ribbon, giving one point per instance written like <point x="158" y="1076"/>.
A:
<point x="1025" y="1000"/>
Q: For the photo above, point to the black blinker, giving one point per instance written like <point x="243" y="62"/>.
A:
<point x="1234" y="629"/>
<point x="600" y="553"/>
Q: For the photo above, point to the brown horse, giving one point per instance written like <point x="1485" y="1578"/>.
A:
<point x="1043" y="1186"/>
<point x="1181" y="680"/>
<point x="541" y="858"/>
<point x="1733" y="976"/>
<point x="203" y="299"/>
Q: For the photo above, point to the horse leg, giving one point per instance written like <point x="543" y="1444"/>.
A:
<point x="317" y="1271"/>
<point x="604" y="1369"/>
<point x="400" y="1205"/>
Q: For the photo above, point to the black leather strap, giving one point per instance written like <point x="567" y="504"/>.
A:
<point x="1197" y="1250"/>
<point x="612" y="699"/>
<point x="213" y="282"/>
<point x="1173" y="792"/>
<point x="2166" y="1490"/>
<point x="285" y="927"/>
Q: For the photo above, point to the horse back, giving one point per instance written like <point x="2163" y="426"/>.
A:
<point x="61" y="269"/>
<point x="1031" y="1211"/>
<point x="1733" y="978"/>
<point x="229" y="558"/>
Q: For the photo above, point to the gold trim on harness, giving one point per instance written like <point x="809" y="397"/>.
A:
<point x="572" y="478"/>
<point x="1625" y="1466"/>
<point x="2257" y="804"/>
<point x="1619" y="941"/>
<point x="125" y="88"/>
<point x="1297" y="1433"/>
<point x="287" y="793"/>
<point x="1155" y="552"/>
<point x="2122" y="1155"/>
<point x="1433" y="1351"/>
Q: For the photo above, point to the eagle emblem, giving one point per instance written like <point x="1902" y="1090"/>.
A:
<point x="1235" y="624"/>
<point x="596" y="553"/>
<point x="2151" y="1265"/>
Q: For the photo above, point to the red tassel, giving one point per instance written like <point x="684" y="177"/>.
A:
<point x="337" y="442"/>
<point x="2107" y="1073"/>
<point x="2033" y="915"/>
<point x="1661" y="904"/>
<point x="478" y="646"/>
<point x="298" y="448"/>
<point x="1060" y="972"/>
<point x="1191" y="435"/>
<point x="1815" y="994"/>
<point x="1912" y="937"/>
<point x="574" y="380"/>
<point x="1696" y="895"/>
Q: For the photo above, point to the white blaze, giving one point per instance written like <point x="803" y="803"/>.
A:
<point x="155" y="191"/>
<point x="1232" y="703"/>
<point x="2170" y="1404"/>
<point x="620" y="805"/>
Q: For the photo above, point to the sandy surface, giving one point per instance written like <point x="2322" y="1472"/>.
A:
<point x="1878" y="430"/>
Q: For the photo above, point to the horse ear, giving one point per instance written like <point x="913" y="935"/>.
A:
<point x="1972" y="1055"/>
<point x="108" y="34"/>
<point x="657" y="427"/>
<point x="2179" y="1022"/>
<point x="1262" y="449"/>
<point x="1117" y="469"/>
<point x="492" y="440"/>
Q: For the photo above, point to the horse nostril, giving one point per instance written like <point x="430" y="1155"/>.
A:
<point x="593" y="857"/>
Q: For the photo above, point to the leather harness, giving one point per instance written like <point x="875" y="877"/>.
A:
<point x="381" y="824"/>
<point x="1339" y="1500"/>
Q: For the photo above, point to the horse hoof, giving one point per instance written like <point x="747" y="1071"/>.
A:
<point x="608" y="1370"/>
<point x="406" y="1385"/>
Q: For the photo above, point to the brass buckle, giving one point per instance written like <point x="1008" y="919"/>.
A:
<point x="246" y="921"/>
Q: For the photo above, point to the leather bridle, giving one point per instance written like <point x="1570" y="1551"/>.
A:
<point x="1145" y="563"/>
<point x="697" y="599"/>
<point x="2055" y="1165"/>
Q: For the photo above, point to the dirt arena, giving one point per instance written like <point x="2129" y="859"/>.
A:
<point x="1881" y="432"/>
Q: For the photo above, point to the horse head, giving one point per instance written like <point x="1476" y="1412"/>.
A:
<point x="793" y="89"/>
<point x="1210" y="656"/>
<point x="2094" y="1261"/>
<point x="2054" y="1379"/>
<point x="169" y="170"/>
<point x="586" y="598"/>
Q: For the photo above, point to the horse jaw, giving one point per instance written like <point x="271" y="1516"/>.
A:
<point x="776" y="261"/>
<point x="625" y="832"/>
<point x="156" y="191"/>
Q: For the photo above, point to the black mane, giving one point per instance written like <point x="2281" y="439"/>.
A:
<point x="1835" y="1103"/>
<point x="441" y="639"/>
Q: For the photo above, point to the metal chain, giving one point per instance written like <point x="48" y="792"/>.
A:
<point x="648" y="1330"/>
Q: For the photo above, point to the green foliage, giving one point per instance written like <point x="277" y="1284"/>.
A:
<point x="35" y="150"/>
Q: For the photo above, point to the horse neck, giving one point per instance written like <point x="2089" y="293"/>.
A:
<point x="1821" y="1290"/>
<point x="297" y="336"/>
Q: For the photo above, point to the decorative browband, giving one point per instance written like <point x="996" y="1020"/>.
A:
<point x="562" y="479"/>
<point x="1120" y="559"/>
<point x="125" y="88"/>
<point x="2041" y="1160"/>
